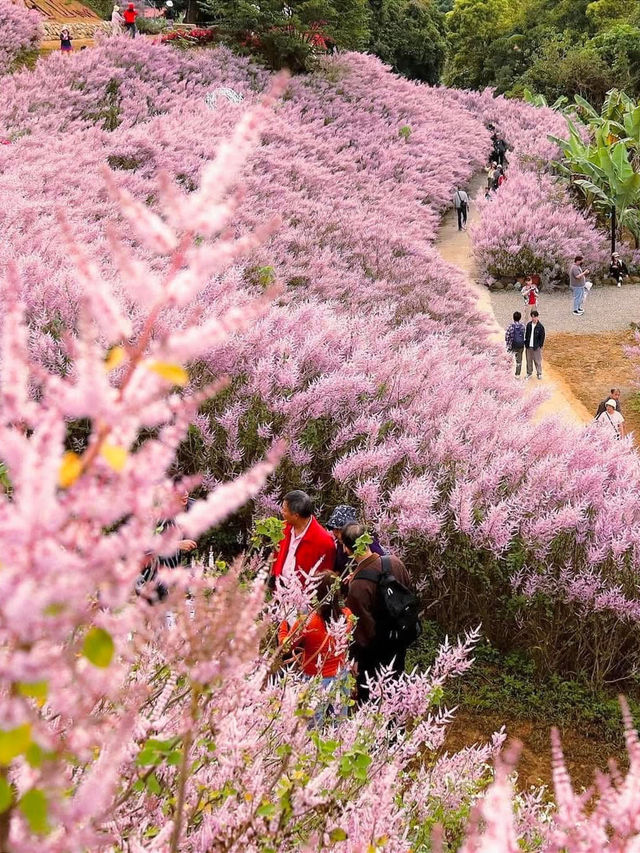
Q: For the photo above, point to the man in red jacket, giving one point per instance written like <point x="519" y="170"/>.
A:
<point x="306" y="546"/>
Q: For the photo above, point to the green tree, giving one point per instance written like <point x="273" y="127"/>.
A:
<point x="409" y="36"/>
<point x="606" y="167"/>
<point x="472" y="25"/>
<point x="285" y="33"/>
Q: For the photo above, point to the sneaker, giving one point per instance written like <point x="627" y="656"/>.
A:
<point x="619" y="284"/>
<point x="528" y="376"/>
<point x="539" y="376"/>
<point x="579" y="312"/>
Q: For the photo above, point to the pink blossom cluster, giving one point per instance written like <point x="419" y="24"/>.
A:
<point x="20" y="32"/>
<point x="530" y="226"/>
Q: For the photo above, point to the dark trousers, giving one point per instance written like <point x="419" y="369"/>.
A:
<point x="518" y="355"/>
<point x="462" y="216"/>
<point x="369" y="662"/>
<point x="131" y="30"/>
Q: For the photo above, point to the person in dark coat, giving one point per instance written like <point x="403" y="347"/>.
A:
<point x="534" y="341"/>
<point x="369" y="650"/>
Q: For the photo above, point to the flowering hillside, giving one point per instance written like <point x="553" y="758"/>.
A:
<point x="374" y="363"/>
<point x="19" y="33"/>
<point x="313" y="286"/>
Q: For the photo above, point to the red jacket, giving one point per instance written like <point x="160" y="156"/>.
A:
<point x="130" y="16"/>
<point x="317" y="544"/>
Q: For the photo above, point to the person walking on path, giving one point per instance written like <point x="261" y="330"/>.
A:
<point x="615" y="396"/>
<point x="130" y="15"/>
<point x="611" y="419"/>
<point x="374" y="645"/>
<point x="514" y="339"/>
<point x="461" y="204"/>
<point x="534" y="341"/>
<point x="577" y="279"/>
<point x="306" y="546"/>
<point x="618" y="269"/>
<point x="65" y="41"/>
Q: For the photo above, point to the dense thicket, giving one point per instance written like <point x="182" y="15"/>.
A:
<point x="566" y="48"/>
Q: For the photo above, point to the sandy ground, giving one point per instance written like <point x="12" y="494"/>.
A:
<point x="455" y="247"/>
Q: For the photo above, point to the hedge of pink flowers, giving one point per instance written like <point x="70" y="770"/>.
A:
<point x="20" y="32"/>
<point x="530" y="225"/>
<point x="374" y="363"/>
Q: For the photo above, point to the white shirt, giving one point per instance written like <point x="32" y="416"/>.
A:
<point x="533" y="328"/>
<point x="460" y="198"/>
<point x="612" y="420"/>
<point x="289" y="566"/>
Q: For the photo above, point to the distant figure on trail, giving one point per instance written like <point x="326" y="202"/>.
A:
<point x="130" y="15"/>
<point x="611" y="419"/>
<point x="534" y="341"/>
<point x="117" y="21"/>
<point x="65" y="41"/>
<point x="461" y="204"/>
<point x="618" y="269"/>
<point x="514" y="339"/>
<point x="615" y="396"/>
<point x="530" y="292"/>
<point x="577" y="280"/>
<point x="169" y="12"/>
<point x="490" y="175"/>
<point x="306" y="546"/>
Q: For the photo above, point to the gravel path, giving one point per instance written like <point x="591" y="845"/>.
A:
<point x="606" y="308"/>
<point x="455" y="247"/>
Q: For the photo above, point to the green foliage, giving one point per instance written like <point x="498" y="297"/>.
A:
<point x="284" y="36"/>
<point x="362" y="544"/>
<point x="606" y="168"/>
<point x="267" y="532"/>
<point x="98" y="647"/>
<point x="409" y="36"/>
<point x="554" y="49"/>
<point x="151" y="26"/>
<point x="34" y="807"/>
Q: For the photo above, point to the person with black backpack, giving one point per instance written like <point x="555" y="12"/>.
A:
<point x="382" y="598"/>
<point x="514" y="339"/>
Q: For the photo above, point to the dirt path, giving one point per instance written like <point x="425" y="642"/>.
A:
<point x="455" y="247"/>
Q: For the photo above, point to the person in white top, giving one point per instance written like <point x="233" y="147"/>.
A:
<point x="611" y="419"/>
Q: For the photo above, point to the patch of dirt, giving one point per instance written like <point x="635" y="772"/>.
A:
<point x="592" y="364"/>
<point x="583" y="755"/>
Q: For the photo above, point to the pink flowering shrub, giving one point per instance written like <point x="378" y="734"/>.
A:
<point x="19" y="33"/>
<point x="530" y="226"/>
<point x="373" y="346"/>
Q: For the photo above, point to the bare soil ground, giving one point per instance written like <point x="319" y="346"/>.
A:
<point x="582" y="754"/>
<point x="592" y="364"/>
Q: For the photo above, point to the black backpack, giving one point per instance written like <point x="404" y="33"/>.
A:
<point x="398" y="619"/>
<point x="518" y="337"/>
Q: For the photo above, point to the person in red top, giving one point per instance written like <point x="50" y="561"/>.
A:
<point x="310" y="636"/>
<point x="315" y="648"/>
<point x="307" y="547"/>
<point x="130" y="15"/>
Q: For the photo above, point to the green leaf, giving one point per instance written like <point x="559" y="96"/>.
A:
<point x="6" y="794"/>
<point x="13" y="742"/>
<point x="337" y="834"/>
<point x="34" y="754"/>
<point x="148" y="757"/>
<point x="153" y="786"/>
<point x="98" y="647"/>
<point x="33" y="806"/>
<point x="33" y="689"/>
<point x="267" y="810"/>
